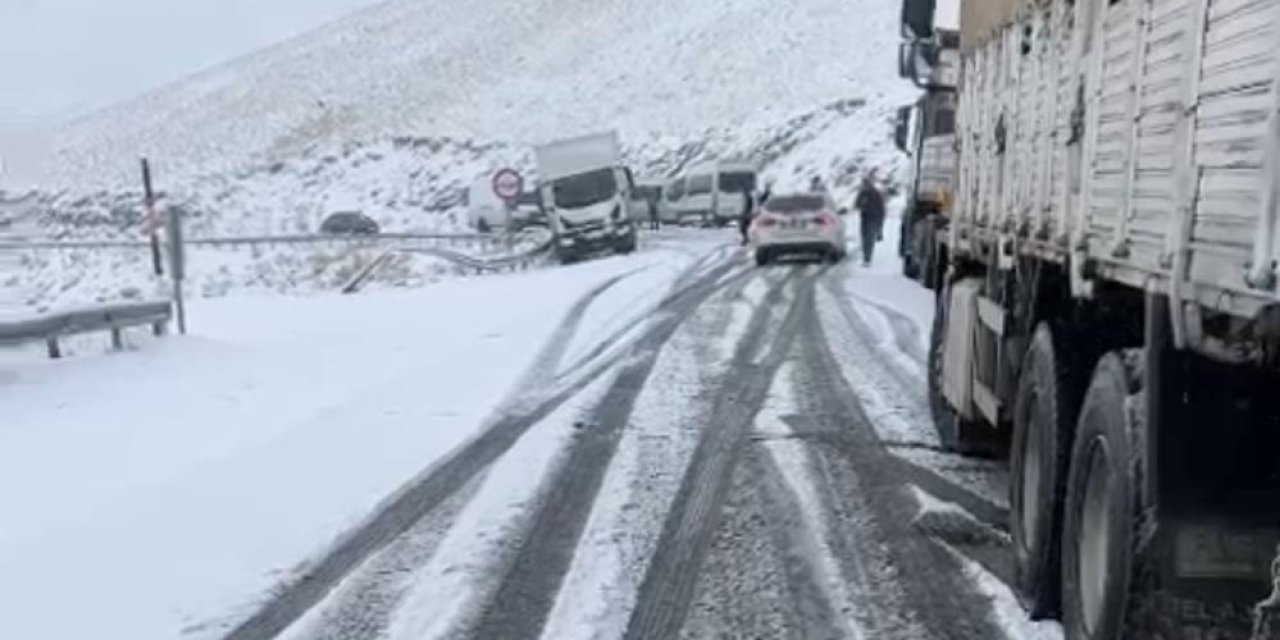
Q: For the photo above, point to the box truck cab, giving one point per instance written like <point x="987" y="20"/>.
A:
<point x="587" y="194"/>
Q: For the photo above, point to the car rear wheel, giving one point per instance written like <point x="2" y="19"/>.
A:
<point x="763" y="257"/>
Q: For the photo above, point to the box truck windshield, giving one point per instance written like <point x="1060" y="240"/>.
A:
<point x="737" y="182"/>
<point x="585" y="189"/>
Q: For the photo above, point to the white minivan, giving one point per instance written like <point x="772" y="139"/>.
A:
<point x="712" y="193"/>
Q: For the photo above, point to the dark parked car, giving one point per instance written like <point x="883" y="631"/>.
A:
<point x="351" y="223"/>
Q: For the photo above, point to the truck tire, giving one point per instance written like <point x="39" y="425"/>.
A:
<point x="1104" y="537"/>
<point x="910" y="270"/>
<point x="957" y="434"/>
<point x="1044" y="420"/>
<point x="928" y="254"/>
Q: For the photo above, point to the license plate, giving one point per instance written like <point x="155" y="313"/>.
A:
<point x="1203" y="551"/>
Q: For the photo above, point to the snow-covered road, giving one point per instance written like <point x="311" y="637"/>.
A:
<point x="671" y="444"/>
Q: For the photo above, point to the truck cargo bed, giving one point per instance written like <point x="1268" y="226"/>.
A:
<point x="1138" y="137"/>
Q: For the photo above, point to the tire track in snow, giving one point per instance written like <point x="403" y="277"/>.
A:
<point x="360" y="608"/>
<point x="703" y="280"/>
<point x="906" y="333"/>
<point x="424" y="494"/>
<point x="548" y="359"/>
<point x="520" y="605"/>
<point x="901" y="387"/>
<point x="670" y="581"/>
<point x="816" y="615"/>
<point x="941" y="597"/>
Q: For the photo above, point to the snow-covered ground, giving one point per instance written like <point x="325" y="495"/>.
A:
<point x="167" y="489"/>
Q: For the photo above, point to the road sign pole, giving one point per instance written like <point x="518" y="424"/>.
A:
<point x="508" y="184"/>
<point x="510" y="227"/>
<point x="149" y="206"/>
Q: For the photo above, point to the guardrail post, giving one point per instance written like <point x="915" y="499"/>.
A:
<point x="117" y="340"/>
<point x="54" y="351"/>
<point x="158" y="329"/>
<point x="177" y="264"/>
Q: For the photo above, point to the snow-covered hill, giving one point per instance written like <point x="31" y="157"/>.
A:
<point x="394" y="110"/>
<point x="516" y="71"/>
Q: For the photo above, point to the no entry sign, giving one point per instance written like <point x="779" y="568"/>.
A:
<point x="508" y="184"/>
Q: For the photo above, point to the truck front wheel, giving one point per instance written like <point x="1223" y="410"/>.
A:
<point x="1104" y="511"/>
<point x="1044" y="420"/>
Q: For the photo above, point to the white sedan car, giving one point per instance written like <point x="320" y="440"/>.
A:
<point x="798" y="224"/>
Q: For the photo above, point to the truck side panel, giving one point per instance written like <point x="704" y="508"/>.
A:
<point x="1168" y="177"/>
<point x="1236" y="98"/>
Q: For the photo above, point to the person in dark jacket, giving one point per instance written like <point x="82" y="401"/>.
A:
<point x="870" y="205"/>
<point x="744" y="218"/>
<point x="655" y="222"/>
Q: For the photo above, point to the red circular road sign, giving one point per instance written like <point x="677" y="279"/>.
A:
<point x="508" y="184"/>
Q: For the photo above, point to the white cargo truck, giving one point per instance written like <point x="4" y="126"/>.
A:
<point x="925" y="131"/>
<point x="586" y="191"/>
<point x="1108" y="312"/>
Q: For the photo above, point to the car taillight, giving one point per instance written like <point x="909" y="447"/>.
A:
<point x="767" y="221"/>
<point x="824" y="220"/>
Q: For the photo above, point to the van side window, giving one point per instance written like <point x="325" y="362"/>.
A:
<point x="676" y="191"/>
<point x="699" y="185"/>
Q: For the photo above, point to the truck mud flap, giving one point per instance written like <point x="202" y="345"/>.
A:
<point x="959" y="352"/>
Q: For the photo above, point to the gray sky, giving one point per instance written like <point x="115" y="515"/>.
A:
<point x="62" y="58"/>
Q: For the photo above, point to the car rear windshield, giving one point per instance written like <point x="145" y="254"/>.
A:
<point x="795" y="204"/>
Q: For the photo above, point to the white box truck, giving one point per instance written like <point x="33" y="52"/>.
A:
<point x="586" y="191"/>
<point x="1108" y="313"/>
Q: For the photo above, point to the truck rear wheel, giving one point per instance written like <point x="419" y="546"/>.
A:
<point x="1103" y="539"/>
<point x="1044" y="420"/>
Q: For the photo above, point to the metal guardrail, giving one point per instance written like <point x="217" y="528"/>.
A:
<point x="110" y="317"/>
<point x="479" y="264"/>
<point x="317" y="238"/>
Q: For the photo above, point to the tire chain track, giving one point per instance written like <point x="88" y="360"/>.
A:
<point x="435" y="485"/>
<point x="524" y="599"/>
<point x="669" y="583"/>
<point x="943" y="599"/>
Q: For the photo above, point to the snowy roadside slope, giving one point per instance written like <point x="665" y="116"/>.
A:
<point x="514" y="70"/>
<point x="164" y="491"/>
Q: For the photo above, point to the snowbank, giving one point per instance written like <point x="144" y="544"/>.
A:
<point x="167" y="489"/>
